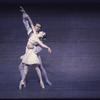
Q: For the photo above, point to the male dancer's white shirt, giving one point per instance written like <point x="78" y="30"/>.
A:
<point x="36" y="49"/>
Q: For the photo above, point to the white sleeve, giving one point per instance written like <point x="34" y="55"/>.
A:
<point x="27" y="26"/>
<point x="37" y="49"/>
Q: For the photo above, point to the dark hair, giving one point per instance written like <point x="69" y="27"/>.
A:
<point x="44" y="37"/>
<point x="39" y="24"/>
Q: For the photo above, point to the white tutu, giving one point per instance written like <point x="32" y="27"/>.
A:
<point x="30" y="57"/>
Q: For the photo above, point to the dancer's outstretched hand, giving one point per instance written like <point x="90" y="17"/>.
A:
<point x="49" y="50"/>
<point x="22" y="9"/>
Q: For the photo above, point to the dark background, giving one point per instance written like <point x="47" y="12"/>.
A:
<point x="73" y="33"/>
<point x="48" y="1"/>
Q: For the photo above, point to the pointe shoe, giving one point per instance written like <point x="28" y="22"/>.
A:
<point x="42" y="85"/>
<point x="21" y="85"/>
<point x="24" y="84"/>
<point x="49" y="83"/>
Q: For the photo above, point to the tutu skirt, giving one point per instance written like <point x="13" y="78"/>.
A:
<point x="30" y="57"/>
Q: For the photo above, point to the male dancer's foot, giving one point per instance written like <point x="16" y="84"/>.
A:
<point x="49" y="83"/>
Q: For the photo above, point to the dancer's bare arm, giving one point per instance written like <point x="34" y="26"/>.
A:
<point x="44" y="46"/>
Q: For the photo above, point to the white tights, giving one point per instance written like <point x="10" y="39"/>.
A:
<point x="24" y="69"/>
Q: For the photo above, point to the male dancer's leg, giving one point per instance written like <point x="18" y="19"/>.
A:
<point x="21" y="69"/>
<point x="23" y="72"/>
<point x="44" y="72"/>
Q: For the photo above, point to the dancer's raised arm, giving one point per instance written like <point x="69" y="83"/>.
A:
<point x="26" y="21"/>
<point x="27" y="16"/>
